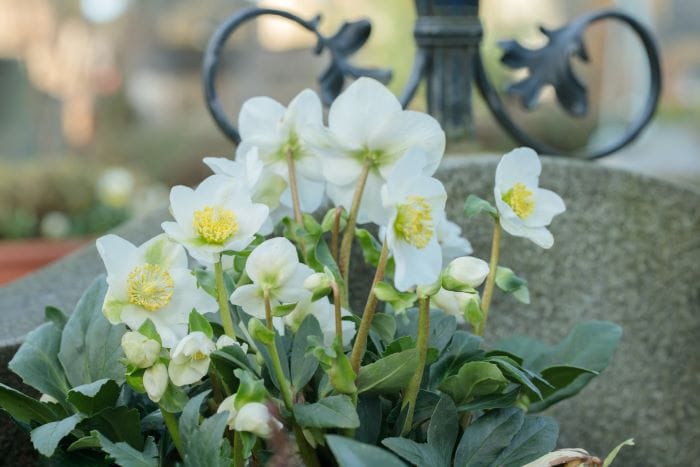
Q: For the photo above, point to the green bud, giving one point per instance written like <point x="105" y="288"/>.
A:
<point x="465" y="274"/>
<point x="260" y="332"/>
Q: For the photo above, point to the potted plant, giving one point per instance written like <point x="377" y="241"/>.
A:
<point x="254" y="356"/>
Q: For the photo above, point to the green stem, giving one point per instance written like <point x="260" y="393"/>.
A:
<point x="491" y="279"/>
<point x="224" y="311"/>
<point x="358" y="349"/>
<point x="349" y="235"/>
<point x="335" y="233"/>
<point x="422" y="346"/>
<point x="171" y="424"/>
<point x="274" y="356"/>
<point x="238" y="459"/>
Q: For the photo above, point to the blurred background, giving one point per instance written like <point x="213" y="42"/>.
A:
<point x="102" y="110"/>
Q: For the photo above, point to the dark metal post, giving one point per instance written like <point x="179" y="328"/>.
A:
<point x="449" y="32"/>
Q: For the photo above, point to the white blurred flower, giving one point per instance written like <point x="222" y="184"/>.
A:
<point x="366" y="125"/>
<point x="275" y="130"/>
<point x="525" y="210"/>
<point x="141" y="351"/>
<point x="465" y="271"/>
<point x="452" y="243"/>
<point x="54" y="224"/>
<point x="216" y="217"/>
<point x="253" y="417"/>
<point x="413" y="203"/>
<point x="324" y="312"/>
<point x="155" y="381"/>
<point x="274" y="268"/>
<point x="115" y="187"/>
<point x="454" y="303"/>
<point x="264" y="185"/>
<point x="189" y="360"/>
<point x="226" y="341"/>
<point x="153" y="282"/>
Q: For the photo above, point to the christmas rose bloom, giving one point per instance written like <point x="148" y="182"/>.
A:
<point x="413" y="203"/>
<point x="151" y="281"/>
<point x="278" y="131"/>
<point x="368" y="128"/>
<point x="189" y="360"/>
<point x="253" y="417"/>
<point x="218" y="216"/>
<point x="525" y="210"/>
<point x="275" y="270"/>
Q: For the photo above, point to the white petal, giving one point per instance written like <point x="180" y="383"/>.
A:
<point x="371" y="208"/>
<point x="310" y="194"/>
<point x="274" y="259"/>
<point x="542" y="237"/>
<point x="259" y="115"/>
<point x="249" y="297"/>
<point x="115" y="253"/>
<point x="304" y="109"/>
<point x="408" y="166"/>
<point x="223" y="166"/>
<point x="341" y="195"/>
<point x="183" y="204"/>
<point x="547" y="205"/>
<point x="155" y="381"/>
<point x="188" y="373"/>
<point x="341" y="171"/>
<point x="521" y="165"/>
<point x="160" y="250"/>
<point x="410" y="129"/>
<point x="362" y="108"/>
<point x="292" y="290"/>
<point x="416" y="267"/>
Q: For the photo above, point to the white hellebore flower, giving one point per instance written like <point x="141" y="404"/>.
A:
<point x="274" y="268"/>
<point x="276" y="132"/>
<point x="454" y="303"/>
<point x="449" y="236"/>
<point x="226" y="341"/>
<point x="368" y="128"/>
<point x="264" y="186"/>
<point x="413" y="203"/>
<point x="253" y="417"/>
<point x="216" y="217"/>
<point x="189" y="360"/>
<point x="141" y="351"/>
<point x="525" y="210"/>
<point x="466" y="271"/>
<point x="155" y="381"/>
<point x="151" y="281"/>
<point x="324" y="312"/>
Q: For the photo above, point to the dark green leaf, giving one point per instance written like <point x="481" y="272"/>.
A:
<point x="415" y="453"/>
<point x="369" y="410"/>
<point x="149" y="330"/>
<point x="26" y="409"/>
<point x="474" y="206"/>
<point x="463" y="347"/>
<point x="201" y="324"/>
<point x="399" y="345"/>
<point x="86" y="442"/>
<point x="516" y="374"/>
<point x="90" y="345"/>
<point x="371" y="248"/>
<point x="388" y="374"/>
<point x="474" y="379"/>
<point x="207" y="281"/>
<point x="203" y="444"/>
<point x="36" y="362"/>
<point x="559" y="378"/>
<point x="126" y="456"/>
<point x="91" y="398"/>
<point x="536" y="437"/>
<point x="384" y="325"/>
<point x="174" y="399"/>
<point x="302" y="368"/>
<point x="46" y="437"/>
<point x="492" y="401"/>
<point x="351" y="453"/>
<point x="56" y="316"/>
<point x="484" y="440"/>
<point x="508" y="282"/>
<point x="331" y="412"/>
<point x="442" y="328"/>
<point x="118" y="424"/>
<point x="442" y="432"/>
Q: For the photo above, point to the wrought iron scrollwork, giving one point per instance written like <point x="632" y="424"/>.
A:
<point x="551" y="65"/>
<point x="349" y="39"/>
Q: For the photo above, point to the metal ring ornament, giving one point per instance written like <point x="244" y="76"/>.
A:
<point x="551" y="65"/>
<point x="346" y="41"/>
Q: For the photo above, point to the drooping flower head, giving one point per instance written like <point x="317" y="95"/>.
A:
<point x="277" y="131"/>
<point x="217" y="216"/>
<point x="413" y="203"/>
<point x="275" y="270"/>
<point x="189" y="360"/>
<point x="265" y="186"/>
<point x="151" y="281"/>
<point x="367" y="126"/>
<point x="525" y="210"/>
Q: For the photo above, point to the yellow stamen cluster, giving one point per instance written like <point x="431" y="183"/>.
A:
<point x="519" y="198"/>
<point x="215" y="224"/>
<point x="199" y="355"/>
<point x="150" y="287"/>
<point x="414" y="222"/>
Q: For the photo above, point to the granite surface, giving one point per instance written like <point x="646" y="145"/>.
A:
<point x="627" y="250"/>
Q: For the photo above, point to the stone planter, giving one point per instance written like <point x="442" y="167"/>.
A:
<point x="20" y="257"/>
<point x="627" y="250"/>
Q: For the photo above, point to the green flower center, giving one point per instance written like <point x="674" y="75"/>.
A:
<point x="414" y="222"/>
<point x="519" y="198"/>
<point x="150" y="287"/>
<point x="215" y="224"/>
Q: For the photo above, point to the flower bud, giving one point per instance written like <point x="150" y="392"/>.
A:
<point x="455" y="303"/>
<point x="464" y="274"/>
<point x="155" y="381"/>
<point x="255" y="418"/>
<point x="141" y="351"/>
<point x="319" y="284"/>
